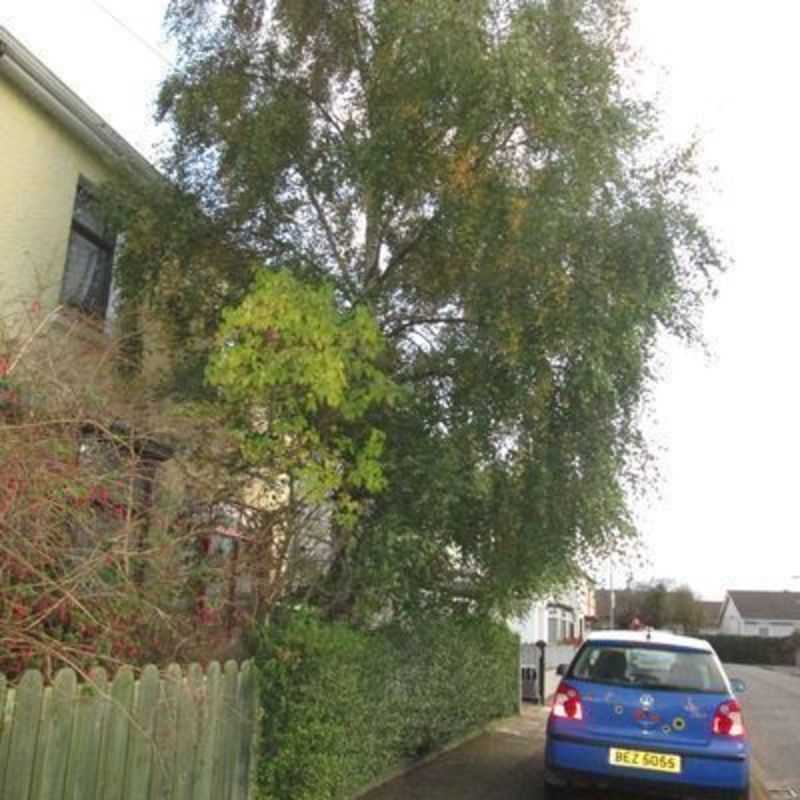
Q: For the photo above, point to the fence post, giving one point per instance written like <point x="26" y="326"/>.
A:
<point x="542" y="645"/>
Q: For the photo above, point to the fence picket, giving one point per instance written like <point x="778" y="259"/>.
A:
<point x="55" y="738"/>
<point x="140" y="740"/>
<point x="111" y="782"/>
<point x="187" y="743"/>
<point x="24" y="734"/>
<point x="5" y="727"/>
<point x="247" y="707"/>
<point x="91" y="710"/>
<point x="207" y="745"/>
<point x="230" y="719"/>
<point x="165" y="736"/>
<point x="42" y="743"/>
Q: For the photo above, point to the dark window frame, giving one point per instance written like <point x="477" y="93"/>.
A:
<point x="97" y="303"/>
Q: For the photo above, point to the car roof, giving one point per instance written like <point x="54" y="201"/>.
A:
<point x="650" y="637"/>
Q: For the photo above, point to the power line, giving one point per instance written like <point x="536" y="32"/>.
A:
<point x="152" y="48"/>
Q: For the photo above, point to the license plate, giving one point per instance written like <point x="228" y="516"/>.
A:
<point x="639" y="759"/>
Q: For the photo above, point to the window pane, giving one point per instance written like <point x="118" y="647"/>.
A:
<point x="649" y="668"/>
<point x="87" y="275"/>
<point x="85" y="212"/>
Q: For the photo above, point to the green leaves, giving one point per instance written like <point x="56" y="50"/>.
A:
<point x="297" y="377"/>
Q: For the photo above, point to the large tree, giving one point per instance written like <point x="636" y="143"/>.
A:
<point x="478" y="175"/>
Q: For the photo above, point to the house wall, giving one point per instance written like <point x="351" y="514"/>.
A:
<point x="732" y="623"/>
<point x="532" y="626"/>
<point x="40" y="163"/>
<point x="767" y="627"/>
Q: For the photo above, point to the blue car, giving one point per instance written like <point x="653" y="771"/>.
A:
<point x="647" y="711"/>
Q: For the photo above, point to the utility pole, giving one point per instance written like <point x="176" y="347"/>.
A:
<point x="612" y="616"/>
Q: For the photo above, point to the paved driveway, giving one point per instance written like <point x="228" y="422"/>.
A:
<point x="772" y="714"/>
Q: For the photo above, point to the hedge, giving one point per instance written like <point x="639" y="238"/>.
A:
<point x="755" y="649"/>
<point x="343" y="707"/>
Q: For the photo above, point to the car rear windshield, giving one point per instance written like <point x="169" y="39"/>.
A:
<point x="649" y="668"/>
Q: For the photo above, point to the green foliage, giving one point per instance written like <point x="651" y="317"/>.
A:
<point x="756" y="649"/>
<point x="343" y="707"/>
<point x="297" y="377"/>
<point x="477" y="174"/>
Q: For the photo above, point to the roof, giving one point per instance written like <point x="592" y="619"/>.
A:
<point x="655" y="637"/>
<point x="767" y="605"/>
<point x="44" y="88"/>
<point x="711" y="611"/>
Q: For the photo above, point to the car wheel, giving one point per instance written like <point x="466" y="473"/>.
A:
<point x="554" y="792"/>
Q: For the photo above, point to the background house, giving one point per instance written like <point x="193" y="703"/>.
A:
<point x="711" y="610"/>
<point x="566" y="616"/>
<point x="561" y="620"/>
<point x="752" y="613"/>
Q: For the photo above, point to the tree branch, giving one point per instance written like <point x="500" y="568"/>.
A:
<point x="404" y="250"/>
<point x="329" y="233"/>
<point x="413" y="322"/>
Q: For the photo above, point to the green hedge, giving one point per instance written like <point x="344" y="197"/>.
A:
<point x="755" y="649"/>
<point x="343" y="707"/>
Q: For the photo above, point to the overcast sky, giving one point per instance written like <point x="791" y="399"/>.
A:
<point x="728" y="426"/>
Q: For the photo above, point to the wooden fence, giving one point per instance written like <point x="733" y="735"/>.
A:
<point x="174" y="736"/>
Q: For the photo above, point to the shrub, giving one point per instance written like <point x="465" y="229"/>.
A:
<point x="755" y="649"/>
<point x="342" y="706"/>
<point x="126" y="535"/>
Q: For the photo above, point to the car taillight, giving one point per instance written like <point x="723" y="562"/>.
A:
<point x="728" y="719"/>
<point x="567" y="703"/>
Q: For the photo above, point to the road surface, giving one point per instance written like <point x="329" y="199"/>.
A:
<point x="771" y="707"/>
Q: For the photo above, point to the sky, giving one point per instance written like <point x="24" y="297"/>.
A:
<point x="725" y="424"/>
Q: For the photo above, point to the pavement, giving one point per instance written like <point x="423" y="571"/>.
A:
<point x="771" y="708"/>
<point x="503" y="763"/>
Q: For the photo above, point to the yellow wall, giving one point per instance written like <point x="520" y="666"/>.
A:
<point x="40" y="163"/>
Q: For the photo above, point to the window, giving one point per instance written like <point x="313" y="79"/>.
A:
<point x="649" y="668"/>
<point x="552" y="629"/>
<point x="763" y="631"/>
<point x="90" y="255"/>
<point x="560" y="623"/>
